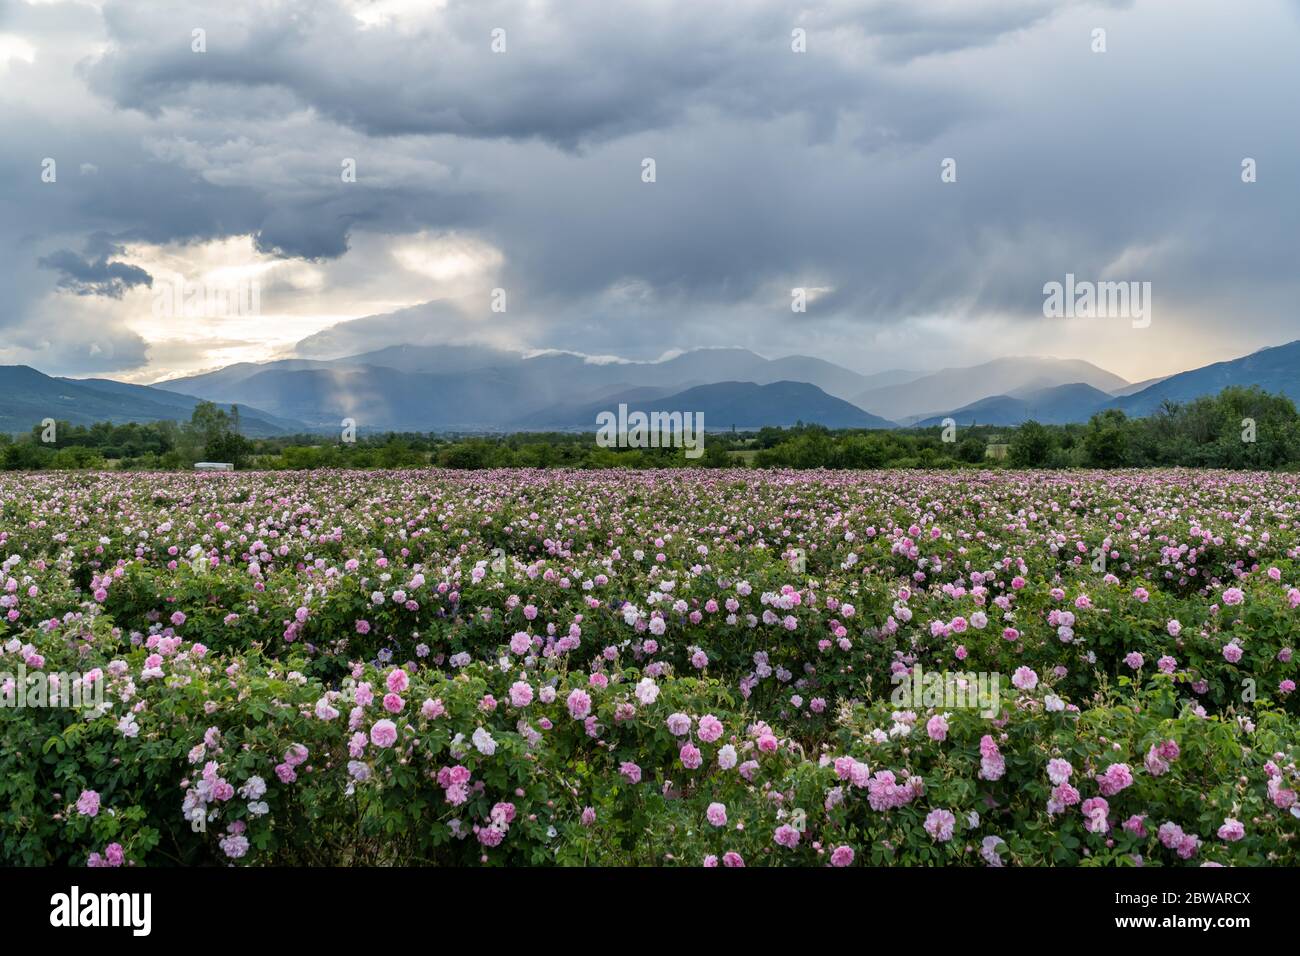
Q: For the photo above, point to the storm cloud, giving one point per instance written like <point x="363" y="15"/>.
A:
<point x="94" y="272"/>
<point x="501" y="145"/>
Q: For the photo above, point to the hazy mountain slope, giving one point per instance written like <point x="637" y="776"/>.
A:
<point x="1274" y="369"/>
<point x="892" y="376"/>
<point x="449" y="388"/>
<point x="255" y="421"/>
<point x="220" y="383"/>
<point x="398" y="384"/>
<point x="958" y="387"/>
<point x="225" y="383"/>
<point x="1137" y="386"/>
<point x="570" y="415"/>
<point x="435" y="358"/>
<point x="724" y="404"/>
<point x="28" y="396"/>
<point x="699" y="365"/>
<point x="1059" y="405"/>
<point x="830" y="378"/>
<point x="385" y="398"/>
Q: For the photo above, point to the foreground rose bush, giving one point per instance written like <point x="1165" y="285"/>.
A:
<point x="247" y="758"/>
<point x="1048" y="782"/>
<point x="685" y="667"/>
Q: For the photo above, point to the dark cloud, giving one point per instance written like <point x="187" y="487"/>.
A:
<point x="908" y="30"/>
<point x="572" y="74"/>
<point x="775" y="169"/>
<point x="94" y="273"/>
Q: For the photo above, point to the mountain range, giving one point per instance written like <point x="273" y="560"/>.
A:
<point x="1274" y="370"/>
<point x="741" y="405"/>
<point x="942" y="392"/>
<point x="470" y="388"/>
<point x="27" y="397"/>
<point x="1058" y="405"/>
<point x="478" y="388"/>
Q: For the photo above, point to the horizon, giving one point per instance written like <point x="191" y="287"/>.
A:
<point x="674" y="353"/>
<point x="526" y="354"/>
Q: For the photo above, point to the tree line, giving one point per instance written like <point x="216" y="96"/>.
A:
<point x="1238" y="428"/>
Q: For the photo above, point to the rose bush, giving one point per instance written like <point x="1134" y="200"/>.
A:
<point x="612" y="668"/>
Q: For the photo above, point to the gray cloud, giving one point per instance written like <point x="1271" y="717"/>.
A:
<point x="774" y="169"/>
<point x="571" y="74"/>
<point x="94" y="273"/>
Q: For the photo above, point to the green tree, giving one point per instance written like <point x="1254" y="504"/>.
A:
<point x="215" y="434"/>
<point x="1030" y="446"/>
<point x="228" y="446"/>
<point x="1105" y="445"/>
<point x="971" y="450"/>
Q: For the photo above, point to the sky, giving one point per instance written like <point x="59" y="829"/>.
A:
<point x="500" y="192"/>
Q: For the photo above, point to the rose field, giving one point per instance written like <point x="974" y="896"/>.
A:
<point x="679" y="667"/>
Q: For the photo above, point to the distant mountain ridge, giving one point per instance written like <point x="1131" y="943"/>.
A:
<point x="480" y="388"/>
<point x="1058" y="405"/>
<point x="958" y="387"/>
<point x="470" y="388"/>
<point x="554" y="373"/>
<point x="27" y="397"/>
<point x="725" y="405"/>
<point x="1275" y="369"/>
